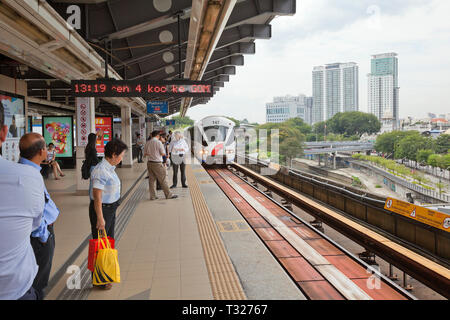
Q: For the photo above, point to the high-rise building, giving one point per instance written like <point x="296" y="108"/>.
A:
<point x="383" y="90"/>
<point x="284" y="108"/>
<point x="335" y="89"/>
<point x="309" y="109"/>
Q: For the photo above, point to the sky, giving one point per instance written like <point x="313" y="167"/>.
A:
<point x="328" y="31"/>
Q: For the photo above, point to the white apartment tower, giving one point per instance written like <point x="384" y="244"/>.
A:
<point x="383" y="90"/>
<point x="284" y="108"/>
<point x="335" y="89"/>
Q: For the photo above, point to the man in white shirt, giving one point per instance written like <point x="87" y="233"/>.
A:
<point x="22" y="200"/>
<point x="178" y="150"/>
<point x="154" y="151"/>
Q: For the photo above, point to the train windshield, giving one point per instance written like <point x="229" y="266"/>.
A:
<point x="216" y="133"/>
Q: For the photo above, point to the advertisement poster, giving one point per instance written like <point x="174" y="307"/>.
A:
<point x="59" y="131"/>
<point x="104" y="130"/>
<point x="14" y="109"/>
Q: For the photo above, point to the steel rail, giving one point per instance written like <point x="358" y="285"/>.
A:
<point x="405" y="261"/>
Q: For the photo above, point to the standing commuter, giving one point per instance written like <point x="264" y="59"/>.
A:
<point x="105" y="192"/>
<point x="43" y="238"/>
<point x="21" y="207"/>
<point x="154" y="150"/>
<point x="90" y="151"/>
<point x="140" y="147"/>
<point x="178" y="149"/>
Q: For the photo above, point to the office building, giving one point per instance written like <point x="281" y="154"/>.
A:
<point x="287" y="107"/>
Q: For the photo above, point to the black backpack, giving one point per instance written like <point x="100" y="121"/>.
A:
<point x="85" y="170"/>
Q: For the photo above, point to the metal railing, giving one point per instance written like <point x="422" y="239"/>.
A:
<point x="404" y="183"/>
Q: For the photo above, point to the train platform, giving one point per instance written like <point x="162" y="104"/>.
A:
<point x="186" y="248"/>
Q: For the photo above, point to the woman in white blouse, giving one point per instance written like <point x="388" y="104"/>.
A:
<point x="178" y="150"/>
<point x="51" y="160"/>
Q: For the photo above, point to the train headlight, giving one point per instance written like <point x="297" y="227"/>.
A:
<point x="229" y="151"/>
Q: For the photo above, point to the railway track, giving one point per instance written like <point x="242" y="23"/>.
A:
<point x="321" y="269"/>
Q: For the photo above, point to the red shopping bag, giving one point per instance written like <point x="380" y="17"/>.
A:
<point x="93" y="248"/>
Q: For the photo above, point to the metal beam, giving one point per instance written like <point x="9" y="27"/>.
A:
<point x="147" y="19"/>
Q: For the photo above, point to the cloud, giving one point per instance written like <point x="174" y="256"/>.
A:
<point x="326" y="31"/>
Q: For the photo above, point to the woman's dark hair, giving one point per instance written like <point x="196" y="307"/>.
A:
<point x="115" y="147"/>
<point x="51" y="144"/>
<point x="92" y="140"/>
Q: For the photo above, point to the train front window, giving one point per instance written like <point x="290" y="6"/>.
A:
<point x="216" y="133"/>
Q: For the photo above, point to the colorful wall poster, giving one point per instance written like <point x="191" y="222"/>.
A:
<point x="59" y="131"/>
<point x="104" y="130"/>
<point x="14" y="110"/>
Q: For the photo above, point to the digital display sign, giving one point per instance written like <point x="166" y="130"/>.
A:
<point x="133" y="88"/>
<point x="157" y="107"/>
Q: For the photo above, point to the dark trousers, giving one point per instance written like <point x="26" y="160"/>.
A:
<point x="140" y="154"/>
<point x="109" y="214"/>
<point x="44" y="257"/>
<point x="183" y="174"/>
<point x="29" y="295"/>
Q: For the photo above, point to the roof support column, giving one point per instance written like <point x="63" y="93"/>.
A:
<point x="85" y="114"/>
<point x="125" y="115"/>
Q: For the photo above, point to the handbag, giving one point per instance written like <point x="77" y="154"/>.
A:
<point x="94" y="245"/>
<point x="106" y="265"/>
<point x="85" y="170"/>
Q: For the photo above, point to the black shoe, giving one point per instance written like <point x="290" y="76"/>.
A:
<point x="185" y="186"/>
<point x="173" y="186"/>
<point x="173" y="196"/>
<point x="159" y="188"/>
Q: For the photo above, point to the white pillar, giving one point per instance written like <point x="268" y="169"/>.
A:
<point x="142" y="128"/>
<point x="85" y="113"/>
<point x="125" y="113"/>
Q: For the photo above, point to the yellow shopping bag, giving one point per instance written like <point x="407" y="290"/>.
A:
<point x="107" y="263"/>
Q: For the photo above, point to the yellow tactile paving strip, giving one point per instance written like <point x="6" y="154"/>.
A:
<point x="224" y="280"/>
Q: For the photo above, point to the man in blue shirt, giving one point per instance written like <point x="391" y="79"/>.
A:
<point x="21" y="206"/>
<point x="32" y="152"/>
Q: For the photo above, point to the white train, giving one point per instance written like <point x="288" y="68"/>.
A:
<point x="212" y="140"/>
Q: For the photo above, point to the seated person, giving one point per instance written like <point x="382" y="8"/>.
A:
<point x="51" y="162"/>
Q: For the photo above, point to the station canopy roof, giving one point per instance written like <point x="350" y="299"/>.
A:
<point x="141" y="37"/>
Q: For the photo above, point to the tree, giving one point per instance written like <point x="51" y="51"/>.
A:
<point x="299" y="124"/>
<point x="409" y="146"/>
<point x="433" y="160"/>
<point x="387" y="141"/>
<point x="290" y="137"/>
<point x="182" y="121"/>
<point x="236" y="121"/>
<point x="442" y="144"/>
<point x="319" y="127"/>
<point x="353" y="123"/>
<point x="422" y="155"/>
